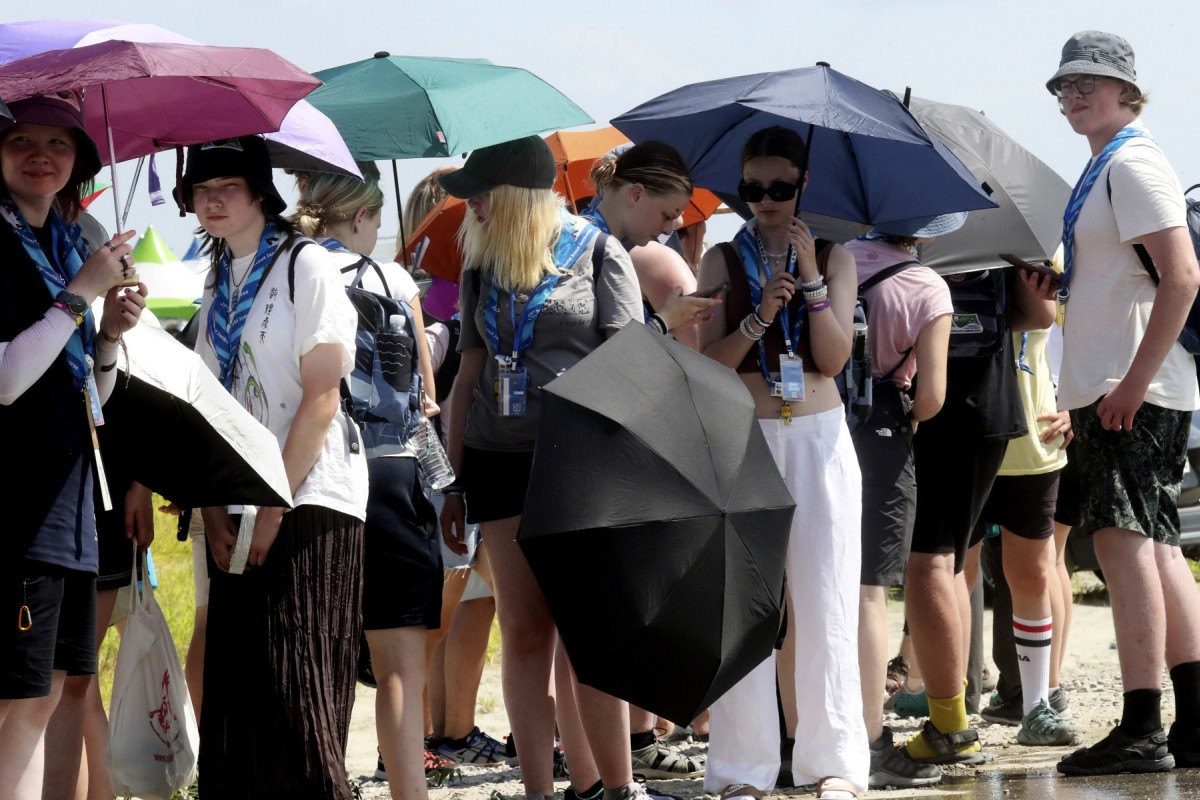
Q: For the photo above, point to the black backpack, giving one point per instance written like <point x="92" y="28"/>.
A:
<point x="856" y="383"/>
<point x="1189" y="337"/>
<point x="979" y="323"/>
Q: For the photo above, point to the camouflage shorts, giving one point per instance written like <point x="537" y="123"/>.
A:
<point x="1131" y="479"/>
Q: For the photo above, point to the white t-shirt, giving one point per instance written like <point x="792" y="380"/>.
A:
<point x="1111" y="292"/>
<point x="267" y="371"/>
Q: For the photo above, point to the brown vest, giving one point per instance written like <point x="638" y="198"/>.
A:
<point x="737" y="305"/>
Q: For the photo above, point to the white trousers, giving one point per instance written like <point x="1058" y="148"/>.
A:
<point x="817" y="460"/>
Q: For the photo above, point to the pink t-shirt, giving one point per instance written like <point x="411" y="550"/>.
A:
<point x="899" y="307"/>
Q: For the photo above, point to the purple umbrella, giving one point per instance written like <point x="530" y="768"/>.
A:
<point x="306" y="139"/>
<point x="157" y="95"/>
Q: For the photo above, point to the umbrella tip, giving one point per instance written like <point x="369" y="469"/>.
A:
<point x="824" y="64"/>
<point x="382" y="54"/>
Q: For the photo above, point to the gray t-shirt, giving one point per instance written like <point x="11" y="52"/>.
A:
<point x="571" y="325"/>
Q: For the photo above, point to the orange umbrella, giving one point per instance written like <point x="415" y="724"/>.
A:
<point x="575" y="152"/>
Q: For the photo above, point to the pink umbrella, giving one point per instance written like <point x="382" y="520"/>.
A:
<point x="306" y="139"/>
<point x="157" y="95"/>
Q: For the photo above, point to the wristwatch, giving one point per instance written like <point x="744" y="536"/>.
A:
<point x="72" y="304"/>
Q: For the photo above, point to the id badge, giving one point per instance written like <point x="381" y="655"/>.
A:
<point x="513" y="386"/>
<point x="791" y="378"/>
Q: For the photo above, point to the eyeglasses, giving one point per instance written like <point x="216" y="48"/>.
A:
<point x="1084" y="84"/>
<point x="779" y="191"/>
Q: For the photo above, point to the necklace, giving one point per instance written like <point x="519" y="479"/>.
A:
<point x="235" y="285"/>
<point x="762" y="248"/>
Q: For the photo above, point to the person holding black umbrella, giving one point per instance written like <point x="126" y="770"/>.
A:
<point x="536" y="296"/>
<point x="56" y="371"/>
<point x="787" y="331"/>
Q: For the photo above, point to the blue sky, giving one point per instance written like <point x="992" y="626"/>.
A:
<point x="609" y="57"/>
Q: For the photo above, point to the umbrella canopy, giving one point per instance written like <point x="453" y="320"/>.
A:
<point x="155" y="95"/>
<point x="390" y="107"/>
<point x="653" y="486"/>
<point x="1030" y="195"/>
<point x="870" y="160"/>
<point x="306" y="138"/>
<point x="207" y="450"/>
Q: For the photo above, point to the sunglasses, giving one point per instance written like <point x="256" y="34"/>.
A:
<point x="779" y="191"/>
<point x="1085" y="85"/>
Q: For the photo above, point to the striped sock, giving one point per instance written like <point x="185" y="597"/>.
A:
<point x="1032" y="638"/>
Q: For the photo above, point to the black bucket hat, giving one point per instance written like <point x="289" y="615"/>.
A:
<point x="245" y="157"/>
<point x="1105" y="55"/>
<point x="527" y="163"/>
<point x="62" y="110"/>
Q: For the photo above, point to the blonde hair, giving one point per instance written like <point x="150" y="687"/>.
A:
<point x="424" y="196"/>
<point x="516" y="245"/>
<point x="327" y="199"/>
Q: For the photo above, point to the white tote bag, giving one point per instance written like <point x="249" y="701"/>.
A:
<point x="153" y="740"/>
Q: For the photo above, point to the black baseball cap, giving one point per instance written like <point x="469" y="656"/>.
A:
<point x="527" y="163"/>
<point x="245" y="157"/>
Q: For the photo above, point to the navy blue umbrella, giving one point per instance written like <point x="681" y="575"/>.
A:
<point x="870" y="160"/>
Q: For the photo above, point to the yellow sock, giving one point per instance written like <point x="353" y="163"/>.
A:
<point x="948" y="715"/>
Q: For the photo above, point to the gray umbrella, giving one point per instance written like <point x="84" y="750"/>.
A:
<point x="1031" y="196"/>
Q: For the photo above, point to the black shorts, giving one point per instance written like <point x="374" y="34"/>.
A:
<point x="402" y="561"/>
<point x="1131" y="479"/>
<point x="954" y="475"/>
<point x="889" y="505"/>
<point x="495" y="482"/>
<point x="1066" y="507"/>
<point x="1023" y="504"/>
<point x="61" y="634"/>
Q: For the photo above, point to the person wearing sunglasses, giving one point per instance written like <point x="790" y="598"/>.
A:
<point x="787" y="330"/>
<point x="1131" y="390"/>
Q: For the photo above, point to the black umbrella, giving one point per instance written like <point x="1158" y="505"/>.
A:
<point x="657" y="524"/>
<point x="199" y="447"/>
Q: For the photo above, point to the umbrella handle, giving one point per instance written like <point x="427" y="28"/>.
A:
<point x="112" y="162"/>
<point x="400" y="216"/>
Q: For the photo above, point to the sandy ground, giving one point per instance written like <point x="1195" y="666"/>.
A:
<point x="1090" y="676"/>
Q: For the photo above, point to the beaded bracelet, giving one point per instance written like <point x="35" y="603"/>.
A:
<point x="814" y="283"/>
<point x="748" y="331"/>
<point x="820" y="305"/>
<point x="816" y="294"/>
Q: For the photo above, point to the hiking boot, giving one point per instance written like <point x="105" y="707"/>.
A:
<point x="1043" y="726"/>
<point x="1120" y="752"/>
<point x="477" y="749"/>
<point x="891" y="766"/>
<point x="1005" y="711"/>
<point x="657" y="760"/>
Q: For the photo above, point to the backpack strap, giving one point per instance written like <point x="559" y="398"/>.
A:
<point x="300" y="245"/>
<point x="1142" y="254"/>
<point x="884" y="274"/>
<point x="360" y="268"/>
<point x="598" y="255"/>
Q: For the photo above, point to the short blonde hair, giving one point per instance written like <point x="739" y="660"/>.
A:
<point x="516" y="245"/>
<point x="424" y="196"/>
<point x="327" y="199"/>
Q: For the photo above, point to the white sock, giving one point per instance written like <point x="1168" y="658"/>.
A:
<point x="1032" y="638"/>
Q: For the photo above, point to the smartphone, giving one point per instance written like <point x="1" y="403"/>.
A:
<point x="713" y="292"/>
<point x="1041" y="269"/>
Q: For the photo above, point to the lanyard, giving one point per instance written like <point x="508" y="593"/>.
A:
<point x="333" y="245"/>
<point x="753" y="255"/>
<point x="67" y="261"/>
<point x="592" y="214"/>
<point x="1079" y="194"/>
<point x="225" y="324"/>
<point x="575" y="236"/>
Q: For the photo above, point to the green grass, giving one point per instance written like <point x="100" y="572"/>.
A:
<point x="175" y="593"/>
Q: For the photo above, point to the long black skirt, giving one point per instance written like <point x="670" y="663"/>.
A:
<point x="280" y="665"/>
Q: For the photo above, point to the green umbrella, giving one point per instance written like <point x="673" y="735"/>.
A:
<point x="390" y="107"/>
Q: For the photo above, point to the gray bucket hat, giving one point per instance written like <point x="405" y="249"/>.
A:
<point x="1096" y="53"/>
<point x="923" y="227"/>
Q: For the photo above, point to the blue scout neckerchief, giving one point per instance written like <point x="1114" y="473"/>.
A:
<point x="754" y="256"/>
<point x="592" y="214"/>
<point x="1080" y="193"/>
<point x="225" y="323"/>
<point x="333" y="245"/>
<point x="57" y="271"/>
<point x="576" y="235"/>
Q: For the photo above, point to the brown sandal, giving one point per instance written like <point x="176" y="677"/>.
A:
<point x="834" y="788"/>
